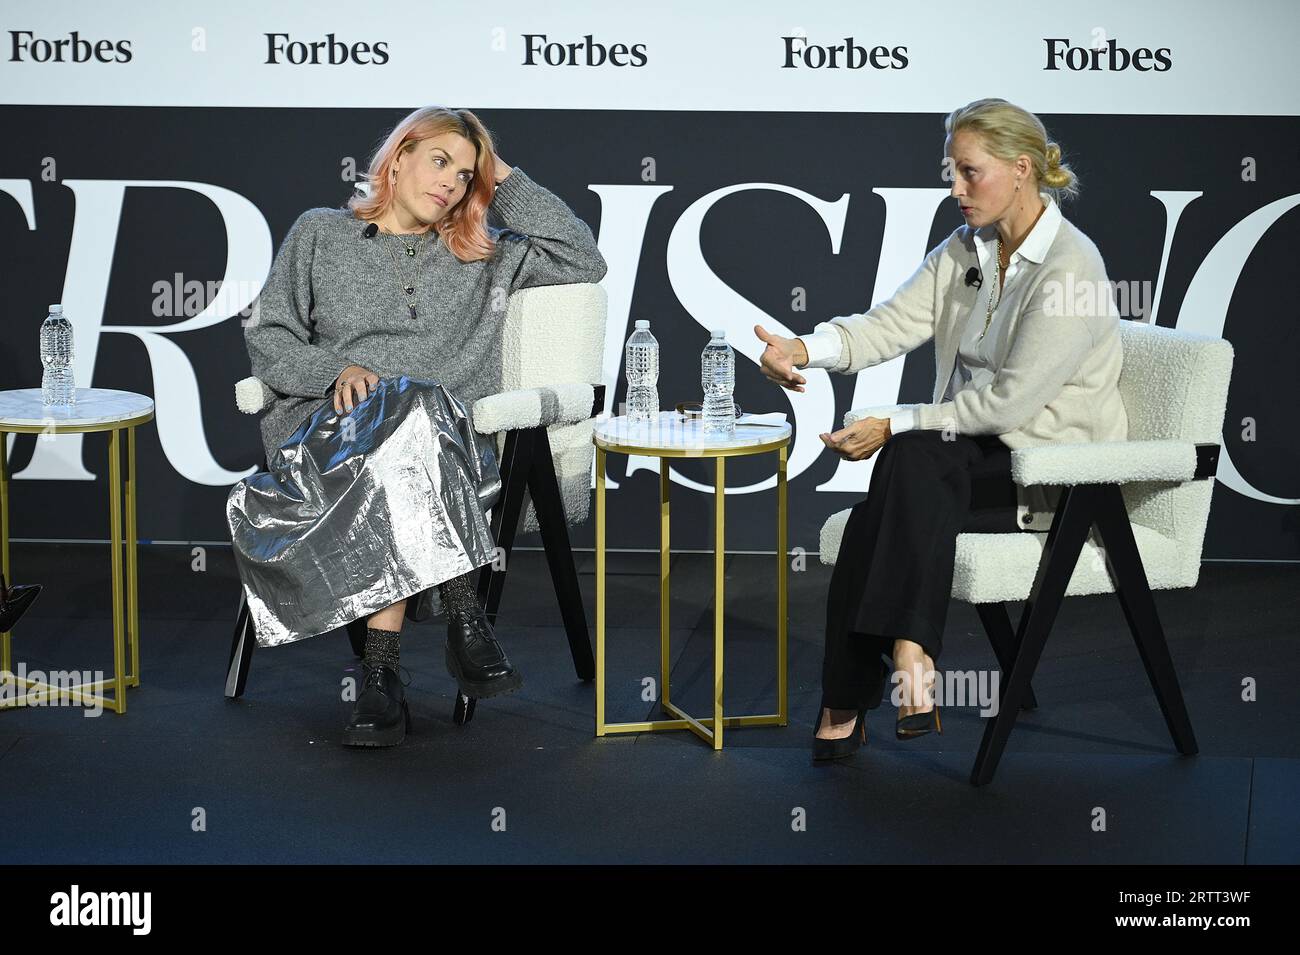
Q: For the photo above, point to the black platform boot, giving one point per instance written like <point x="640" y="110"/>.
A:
<point x="474" y="658"/>
<point x="381" y="715"/>
<point x="477" y="661"/>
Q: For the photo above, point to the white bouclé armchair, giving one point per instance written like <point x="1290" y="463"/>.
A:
<point x="542" y="422"/>
<point x="1148" y="501"/>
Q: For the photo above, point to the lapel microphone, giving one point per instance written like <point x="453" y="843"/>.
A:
<point x="369" y="233"/>
<point x="973" y="277"/>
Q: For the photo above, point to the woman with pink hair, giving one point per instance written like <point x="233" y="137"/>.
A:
<point x="378" y="327"/>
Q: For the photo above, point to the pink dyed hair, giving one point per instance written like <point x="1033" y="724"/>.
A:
<point x="464" y="229"/>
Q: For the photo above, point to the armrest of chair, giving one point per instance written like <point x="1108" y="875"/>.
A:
<point x="1114" y="462"/>
<point x="252" y="395"/>
<point x="1098" y="462"/>
<point x="564" y="403"/>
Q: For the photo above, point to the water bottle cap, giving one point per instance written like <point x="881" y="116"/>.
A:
<point x="56" y="309"/>
<point x="719" y="333"/>
<point x="643" y="323"/>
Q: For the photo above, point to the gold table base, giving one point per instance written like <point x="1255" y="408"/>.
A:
<point x="126" y="632"/>
<point x="709" y="729"/>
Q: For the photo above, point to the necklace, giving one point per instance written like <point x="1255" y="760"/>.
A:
<point x="412" y="251"/>
<point x="997" y="289"/>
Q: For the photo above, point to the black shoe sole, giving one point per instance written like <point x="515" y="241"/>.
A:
<point x="821" y="756"/>
<point x="479" y="690"/>
<point x="388" y="737"/>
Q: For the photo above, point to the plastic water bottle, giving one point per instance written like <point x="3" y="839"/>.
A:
<point x="57" y="387"/>
<point x="641" y="359"/>
<point x="718" y="375"/>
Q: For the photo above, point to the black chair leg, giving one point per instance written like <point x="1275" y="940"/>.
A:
<point x="357" y="636"/>
<point x="1124" y="564"/>
<point x="559" y="555"/>
<point x="241" y="650"/>
<point x="243" y="643"/>
<point x="516" y="466"/>
<point x="1065" y="540"/>
<point x="997" y="624"/>
<point x="527" y="465"/>
<point x="463" y="711"/>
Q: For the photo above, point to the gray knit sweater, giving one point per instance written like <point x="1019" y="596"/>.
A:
<point x="334" y="298"/>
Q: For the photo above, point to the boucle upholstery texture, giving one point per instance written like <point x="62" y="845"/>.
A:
<point x="1175" y="389"/>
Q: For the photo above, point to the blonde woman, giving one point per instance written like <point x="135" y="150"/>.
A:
<point x="1022" y="359"/>
<point x="377" y="329"/>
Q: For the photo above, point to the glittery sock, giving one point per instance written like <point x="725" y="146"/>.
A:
<point x="460" y="596"/>
<point x="381" y="647"/>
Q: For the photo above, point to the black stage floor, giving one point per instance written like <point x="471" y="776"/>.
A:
<point x="1091" y="776"/>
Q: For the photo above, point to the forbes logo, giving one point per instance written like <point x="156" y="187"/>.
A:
<point x="847" y="55"/>
<point x="329" y="51"/>
<point x="25" y="47"/>
<point x="1116" y="58"/>
<point x="539" y="51"/>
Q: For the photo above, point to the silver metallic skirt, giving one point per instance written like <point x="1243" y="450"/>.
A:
<point x="361" y="509"/>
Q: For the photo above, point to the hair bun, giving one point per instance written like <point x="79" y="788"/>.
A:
<point x="1053" y="155"/>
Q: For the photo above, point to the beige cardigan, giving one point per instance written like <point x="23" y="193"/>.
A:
<point x="1057" y="359"/>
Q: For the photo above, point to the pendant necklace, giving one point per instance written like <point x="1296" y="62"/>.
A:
<point x="413" y="251"/>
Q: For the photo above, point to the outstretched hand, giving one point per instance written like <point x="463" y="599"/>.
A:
<point x="780" y="357"/>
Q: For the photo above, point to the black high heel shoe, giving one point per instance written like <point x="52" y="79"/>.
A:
<point x="14" y="602"/>
<point x="918" y="724"/>
<point x="845" y="746"/>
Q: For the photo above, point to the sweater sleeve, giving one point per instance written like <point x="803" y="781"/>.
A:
<point x="1048" y="345"/>
<point x="894" y="327"/>
<point x="279" y="334"/>
<point x="555" y="247"/>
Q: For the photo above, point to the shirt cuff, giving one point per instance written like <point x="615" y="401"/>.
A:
<point x="824" y="346"/>
<point x="904" y="419"/>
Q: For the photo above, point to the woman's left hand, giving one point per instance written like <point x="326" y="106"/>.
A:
<point x="502" y="169"/>
<point x="859" y="440"/>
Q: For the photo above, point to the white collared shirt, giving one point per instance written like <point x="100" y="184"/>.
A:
<point x="973" y="367"/>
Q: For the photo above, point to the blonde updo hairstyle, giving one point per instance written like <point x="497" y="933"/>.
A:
<point x="1006" y="131"/>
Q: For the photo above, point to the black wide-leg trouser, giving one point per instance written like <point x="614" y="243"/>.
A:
<point x="893" y="576"/>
